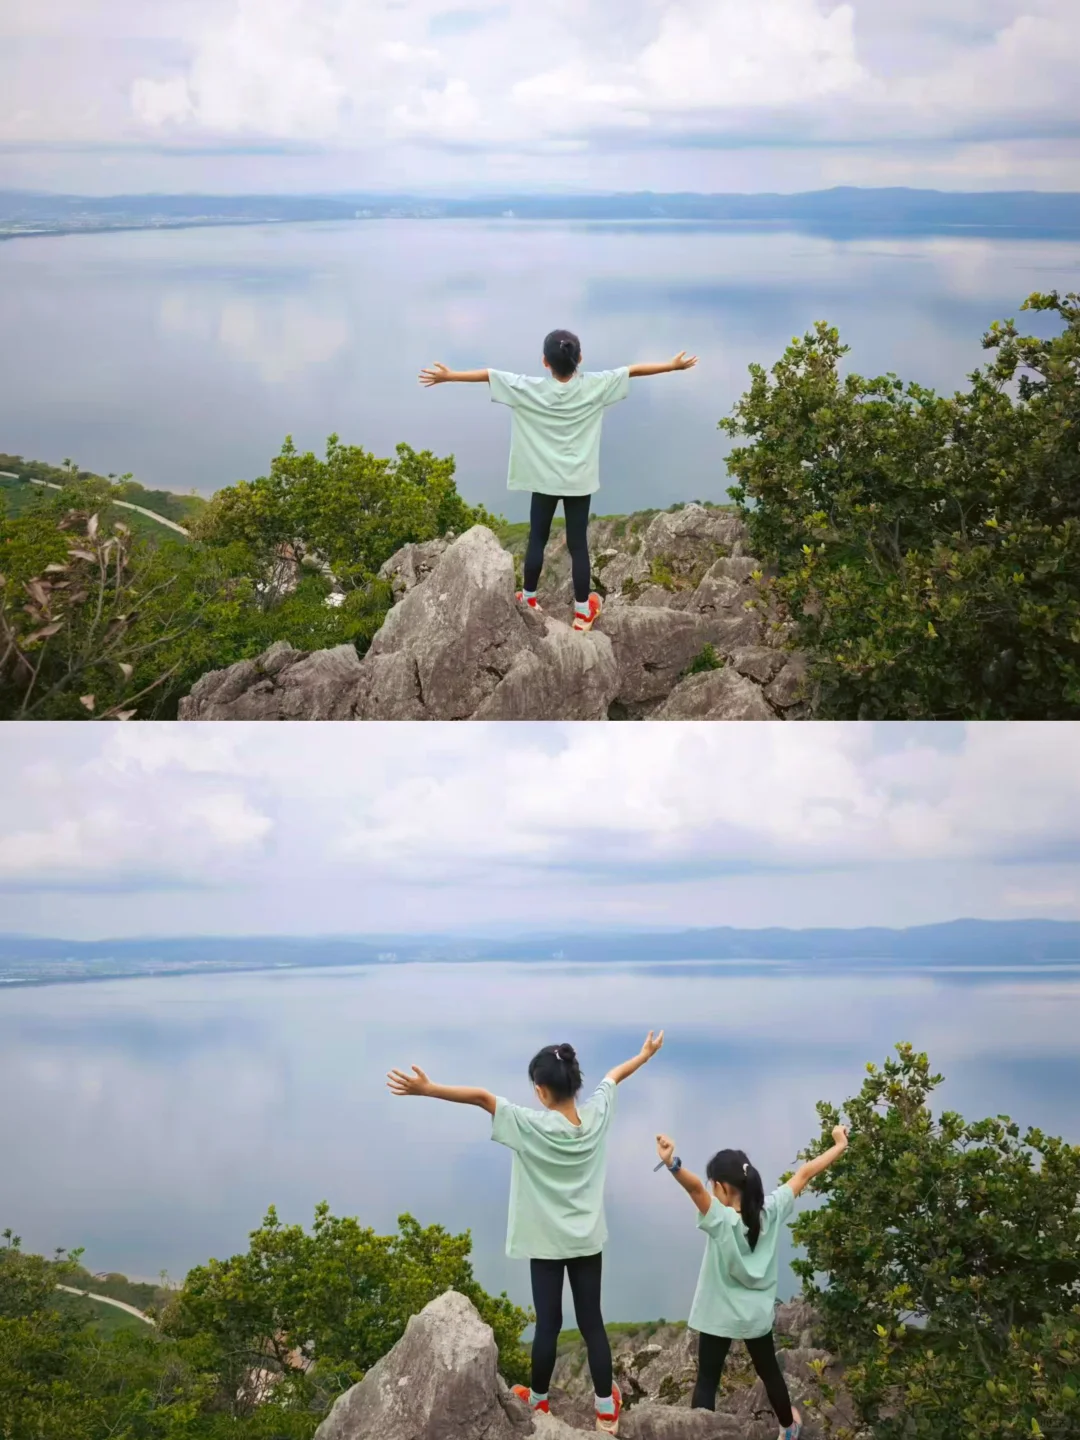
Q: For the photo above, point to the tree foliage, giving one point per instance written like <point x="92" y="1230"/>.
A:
<point x="350" y="510"/>
<point x="256" y="1347"/>
<point x="927" y="547"/>
<point x="950" y="1252"/>
<point x="99" y="622"/>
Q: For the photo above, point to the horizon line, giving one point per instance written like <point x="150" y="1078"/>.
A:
<point x="539" y="935"/>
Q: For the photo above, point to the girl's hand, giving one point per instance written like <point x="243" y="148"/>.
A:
<point x="652" y="1044"/>
<point x="683" y="361"/>
<point x="398" y="1083"/>
<point x="839" y="1135"/>
<point x="665" y="1148"/>
<point x="434" y="375"/>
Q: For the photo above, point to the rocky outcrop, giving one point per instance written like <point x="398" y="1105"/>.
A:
<point x="680" y="638"/>
<point x="441" y="1382"/>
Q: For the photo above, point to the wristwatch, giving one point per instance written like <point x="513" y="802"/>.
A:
<point x="674" y="1167"/>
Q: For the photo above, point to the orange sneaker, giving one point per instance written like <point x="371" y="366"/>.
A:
<point x="532" y="602"/>
<point x="609" y="1424"/>
<point x="524" y="1394"/>
<point x="585" y="622"/>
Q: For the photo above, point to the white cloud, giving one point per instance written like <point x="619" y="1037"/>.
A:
<point x="107" y="824"/>
<point x="627" y="815"/>
<point x="722" y="54"/>
<point x="623" y="83"/>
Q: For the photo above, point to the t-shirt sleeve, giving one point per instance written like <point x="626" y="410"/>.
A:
<point x="781" y="1203"/>
<point x="604" y="1098"/>
<point x="509" y="1124"/>
<point x="505" y="388"/>
<point x="716" y="1218"/>
<point x="615" y="385"/>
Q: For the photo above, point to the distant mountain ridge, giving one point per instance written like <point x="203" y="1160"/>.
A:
<point x="844" y="210"/>
<point x="1014" y="943"/>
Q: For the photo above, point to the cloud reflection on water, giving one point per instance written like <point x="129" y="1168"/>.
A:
<point x="155" y="1120"/>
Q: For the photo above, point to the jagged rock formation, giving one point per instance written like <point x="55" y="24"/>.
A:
<point x="457" y="646"/>
<point x="441" y="1382"/>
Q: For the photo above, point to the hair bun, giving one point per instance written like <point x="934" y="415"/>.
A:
<point x="566" y="1053"/>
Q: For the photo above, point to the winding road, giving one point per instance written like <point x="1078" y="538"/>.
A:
<point x="108" y="1300"/>
<point x="123" y="504"/>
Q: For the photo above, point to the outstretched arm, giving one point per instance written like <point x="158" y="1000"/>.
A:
<point x="648" y="1050"/>
<point x="805" y="1173"/>
<point x="682" y="361"/>
<point x="691" y="1183"/>
<point x="398" y="1083"/>
<point x="439" y="374"/>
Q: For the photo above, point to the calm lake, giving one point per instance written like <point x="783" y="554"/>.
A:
<point x="153" y="1121"/>
<point x="187" y="356"/>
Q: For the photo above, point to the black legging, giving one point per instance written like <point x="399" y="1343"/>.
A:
<point x="547" y="1288"/>
<point x="712" y="1352"/>
<point x="541" y="514"/>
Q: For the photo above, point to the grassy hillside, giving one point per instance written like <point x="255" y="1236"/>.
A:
<point x="19" y="495"/>
<point x="106" y="1320"/>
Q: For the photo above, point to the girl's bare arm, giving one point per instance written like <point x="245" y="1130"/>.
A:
<point x="398" y="1083"/>
<point x="648" y="1050"/>
<point x="682" y="361"/>
<point x="806" y="1173"/>
<point x="440" y="374"/>
<point x="693" y="1185"/>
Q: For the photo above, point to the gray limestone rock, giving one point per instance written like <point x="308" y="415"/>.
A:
<point x="715" y="695"/>
<point x="282" y="684"/>
<point x="439" y="1382"/>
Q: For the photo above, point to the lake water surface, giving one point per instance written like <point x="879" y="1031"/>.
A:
<point x="186" y="356"/>
<point x="153" y="1121"/>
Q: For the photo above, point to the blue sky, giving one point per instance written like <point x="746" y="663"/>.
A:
<point x="127" y="830"/>
<point x="304" y="95"/>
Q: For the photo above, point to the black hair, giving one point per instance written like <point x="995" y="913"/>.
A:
<point x="731" y="1167"/>
<point x="556" y="1068"/>
<point x="562" y="351"/>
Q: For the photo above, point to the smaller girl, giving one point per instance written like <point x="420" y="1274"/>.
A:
<point x="556" y="1201"/>
<point x="736" y="1290"/>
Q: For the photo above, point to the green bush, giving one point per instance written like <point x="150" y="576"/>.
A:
<point x="927" y="547"/>
<point x="946" y="1265"/>
<point x="256" y="1347"/>
<point x="340" y="1294"/>
<point x="99" y="622"/>
<point x="351" y="509"/>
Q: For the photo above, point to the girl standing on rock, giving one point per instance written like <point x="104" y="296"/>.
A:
<point x="555" y="448"/>
<point x="736" y="1290"/>
<point x="556" y="1202"/>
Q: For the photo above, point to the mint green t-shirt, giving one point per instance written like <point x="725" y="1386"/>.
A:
<point x="555" y="433"/>
<point x="736" y="1288"/>
<point x="557" y="1180"/>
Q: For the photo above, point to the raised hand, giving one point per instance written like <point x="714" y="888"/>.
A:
<point x="683" y="361"/>
<point x="652" y="1044"/>
<point x="840" y="1135"/>
<point x="665" y="1148"/>
<point x="434" y="375"/>
<point x="398" y="1083"/>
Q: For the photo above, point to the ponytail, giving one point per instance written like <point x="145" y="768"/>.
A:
<point x="731" y="1167"/>
<point x="556" y="1068"/>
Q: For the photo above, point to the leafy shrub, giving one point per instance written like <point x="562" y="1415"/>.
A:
<point x="928" y="547"/>
<point x="351" y="510"/>
<point x="951" y="1255"/>
<point x="252" y="1348"/>
<point x="340" y="1295"/>
<point x="707" y="660"/>
<point x="99" y="622"/>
